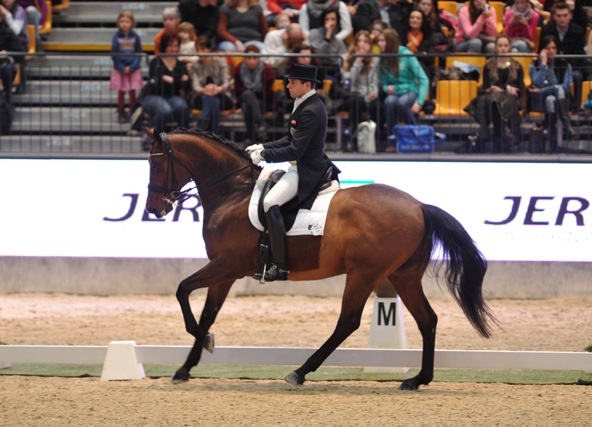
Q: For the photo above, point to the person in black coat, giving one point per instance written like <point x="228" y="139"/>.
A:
<point x="304" y="148"/>
<point x="572" y="43"/>
<point x="9" y="42"/>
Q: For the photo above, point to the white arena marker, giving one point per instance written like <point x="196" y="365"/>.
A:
<point x="121" y="362"/>
<point x="387" y="329"/>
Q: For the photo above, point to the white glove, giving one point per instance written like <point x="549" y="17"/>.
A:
<point x="253" y="147"/>
<point x="256" y="156"/>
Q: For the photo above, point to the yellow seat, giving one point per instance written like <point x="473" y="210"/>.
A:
<point x="449" y="6"/>
<point x="586" y="88"/>
<point x="537" y="36"/>
<point x="525" y="61"/>
<point x="46" y="29"/>
<point x="499" y="14"/>
<point x="32" y="41"/>
<point x="454" y="95"/>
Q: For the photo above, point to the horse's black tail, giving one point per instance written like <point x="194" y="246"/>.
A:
<point x="465" y="268"/>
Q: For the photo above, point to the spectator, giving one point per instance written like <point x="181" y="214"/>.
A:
<point x="36" y="15"/>
<point x="311" y="16"/>
<point x="281" y="21"/>
<point x="503" y="86"/>
<point x="437" y="21"/>
<point x="521" y="22"/>
<point x="378" y="26"/>
<point x="417" y="37"/>
<point x="168" y="85"/>
<point x="187" y="47"/>
<point x="363" y="75"/>
<point x="477" y="28"/>
<point x="576" y="7"/>
<point x="403" y="80"/>
<point x="325" y="42"/>
<point x="289" y="7"/>
<point x="569" y="41"/>
<point x="203" y="14"/>
<point x="16" y="18"/>
<point x="211" y="86"/>
<point x="253" y="87"/>
<point x="171" y="19"/>
<point x="282" y="41"/>
<point x="363" y="14"/>
<point x="551" y="80"/>
<point x="398" y="12"/>
<point x="9" y="42"/>
<point x="126" y="75"/>
<point x="241" y="23"/>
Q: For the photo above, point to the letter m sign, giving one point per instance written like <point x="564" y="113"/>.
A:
<point x="388" y="316"/>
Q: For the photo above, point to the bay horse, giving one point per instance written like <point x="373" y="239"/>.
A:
<point x="372" y="232"/>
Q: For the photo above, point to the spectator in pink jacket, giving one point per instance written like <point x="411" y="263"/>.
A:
<point x="477" y="28"/>
<point x="521" y="21"/>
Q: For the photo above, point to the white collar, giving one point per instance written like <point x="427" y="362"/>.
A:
<point x="303" y="98"/>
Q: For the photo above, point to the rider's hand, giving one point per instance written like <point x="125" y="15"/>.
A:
<point x="257" y="156"/>
<point x="253" y="147"/>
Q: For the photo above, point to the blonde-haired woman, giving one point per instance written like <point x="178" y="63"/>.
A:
<point x="241" y="23"/>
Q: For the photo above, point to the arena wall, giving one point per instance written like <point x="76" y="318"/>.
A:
<point x="112" y="276"/>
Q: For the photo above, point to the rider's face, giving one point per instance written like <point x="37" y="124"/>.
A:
<point x="297" y="88"/>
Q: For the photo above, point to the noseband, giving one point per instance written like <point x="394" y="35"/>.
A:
<point x="171" y="194"/>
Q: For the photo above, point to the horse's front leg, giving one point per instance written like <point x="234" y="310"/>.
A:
<point x="219" y="284"/>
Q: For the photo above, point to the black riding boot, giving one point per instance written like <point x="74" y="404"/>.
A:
<point x="277" y="237"/>
<point x="563" y="111"/>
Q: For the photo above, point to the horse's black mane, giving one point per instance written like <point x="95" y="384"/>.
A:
<point x="217" y="138"/>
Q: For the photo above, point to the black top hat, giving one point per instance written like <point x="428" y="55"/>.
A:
<point x="303" y="72"/>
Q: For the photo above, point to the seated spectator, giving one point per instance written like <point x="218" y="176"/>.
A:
<point x="362" y="72"/>
<point x="290" y="7"/>
<point x="521" y="21"/>
<point x="311" y="16"/>
<point x="187" y="47"/>
<point x="325" y="42"/>
<point x="378" y="26"/>
<point x="441" y="42"/>
<point x="211" y="86"/>
<point x="168" y="84"/>
<point x="9" y="42"/>
<point x="241" y="23"/>
<point x="171" y="18"/>
<point x="363" y="14"/>
<point x="551" y="81"/>
<point x="417" y="37"/>
<point x="579" y="16"/>
<point x="569" y="41"/>
<point x="279" y="42"/>
<point x="403" y="80"/>
<point x="203" y="14"/>
<point x="253" y="87"/>
<point x="477" y="28"/>
<point x="16" y="18"/>
<point x="503" y="86"/>
<point x="36" y="15"/>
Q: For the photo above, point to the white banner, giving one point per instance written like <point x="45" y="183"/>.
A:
<point x="95" y="208"/>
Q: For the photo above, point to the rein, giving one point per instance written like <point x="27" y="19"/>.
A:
<point x="183" y="195"/>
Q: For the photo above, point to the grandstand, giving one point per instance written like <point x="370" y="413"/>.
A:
<point x="65" y="107"/>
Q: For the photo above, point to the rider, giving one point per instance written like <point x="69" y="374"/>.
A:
<point x="304" y="148"/>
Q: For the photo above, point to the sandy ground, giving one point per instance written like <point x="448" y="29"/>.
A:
<point x="555" y="324"/>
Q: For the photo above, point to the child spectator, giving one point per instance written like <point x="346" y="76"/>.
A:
<point x="171" y="18"/>
<point x="126" y="75"/>
<point x="521" y="22"/>
<point x="187" y="46"/>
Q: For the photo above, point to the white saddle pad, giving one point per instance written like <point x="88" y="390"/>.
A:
<point x="308" y="222"/>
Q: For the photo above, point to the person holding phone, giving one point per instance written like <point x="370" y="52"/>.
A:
<point x="477" y="28"/>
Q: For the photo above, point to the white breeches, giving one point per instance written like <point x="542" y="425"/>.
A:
<point x="284" y="191"/>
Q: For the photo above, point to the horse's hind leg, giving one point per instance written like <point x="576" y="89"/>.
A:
<point x="357" y="290"/>
<point x="408" y="286"/>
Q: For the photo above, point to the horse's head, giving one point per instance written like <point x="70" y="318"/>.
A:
<point x="168" y="175"/>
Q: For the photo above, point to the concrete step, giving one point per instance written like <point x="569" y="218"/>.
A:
<point x="77" y="145"/>
<point x="84" y="12"/>
<point x="92" y="39"/>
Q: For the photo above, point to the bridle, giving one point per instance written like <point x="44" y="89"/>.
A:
<point x="171" y="194"/>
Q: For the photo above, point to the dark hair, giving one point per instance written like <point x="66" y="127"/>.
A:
<point x="252" y="49"/>
<point x="166" y="39"/>
<point x="558" y="6"/>
<point x="202" y="42"/>
<point x="546" y="40"/>
<point x="328" y="11"/>
<point x="426" y="28"/>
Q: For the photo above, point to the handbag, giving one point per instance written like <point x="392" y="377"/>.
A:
<point x="416" y="138"/>
<point x="366" y="137"/>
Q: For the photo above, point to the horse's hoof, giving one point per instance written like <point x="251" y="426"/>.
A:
<point x="409" y="385"/>
<point x="208" y="342"/>
<point x="181" y="376"/>
<point x="294" y="379"/>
